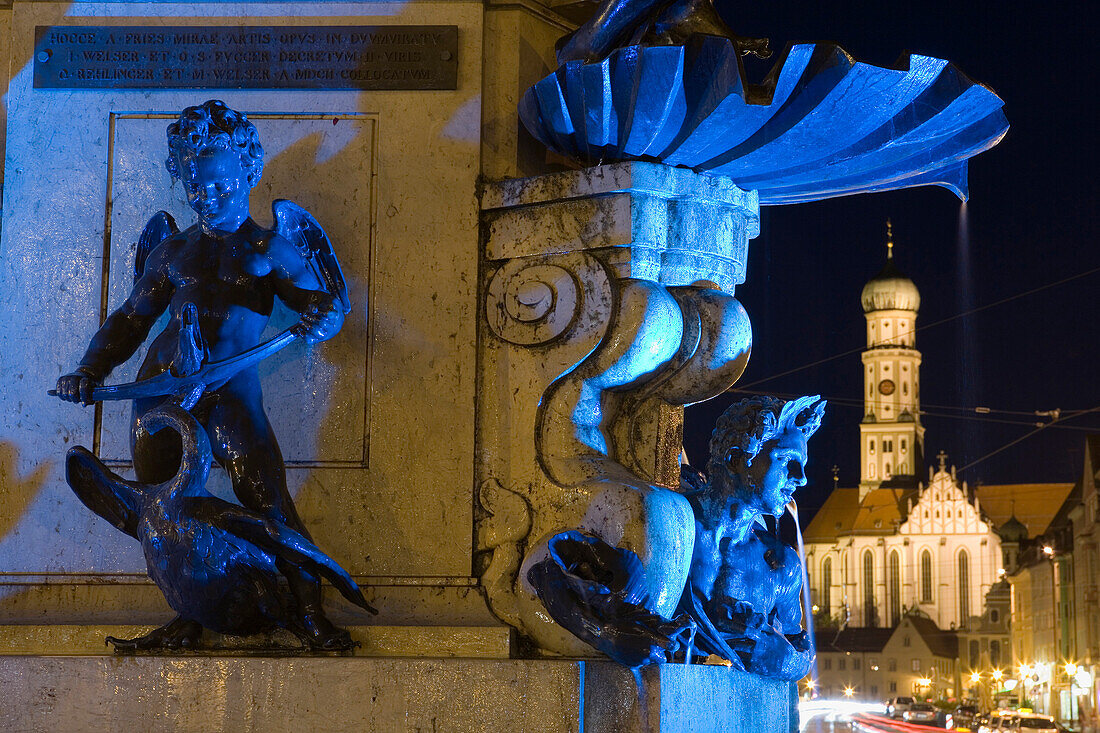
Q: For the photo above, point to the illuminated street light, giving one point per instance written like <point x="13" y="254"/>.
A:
<point x="998" y="675"/>
<point x="809" y="684"/>
<point x="975" y="677"/>
<point x="1071" y="669"/>
<point x="848" y="692"/>
<point x="816" y="608"/>
<point x="1048" y="550"/>
<point x="924" y="681"/>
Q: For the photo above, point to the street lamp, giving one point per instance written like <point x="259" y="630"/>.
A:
<point x="997" y="675"/>
<point x="848" y="692"/>
<point x="975" y="678"/>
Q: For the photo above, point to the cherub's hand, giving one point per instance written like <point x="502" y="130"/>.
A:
<point x="77" y="386"/>
<point x="321" y="320"/>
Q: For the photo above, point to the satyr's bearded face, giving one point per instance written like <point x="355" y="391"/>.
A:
<point x="770" y="480"/>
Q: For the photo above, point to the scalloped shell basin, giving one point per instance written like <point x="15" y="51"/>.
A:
<point x="821" y="124"/>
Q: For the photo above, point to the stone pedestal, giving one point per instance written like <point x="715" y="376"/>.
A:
<point x="185" y="693"/>
<point x="608" y="306"/>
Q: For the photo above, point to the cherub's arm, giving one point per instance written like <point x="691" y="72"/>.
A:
<point x="298" y="287"/>
<point x="121" y="334"/>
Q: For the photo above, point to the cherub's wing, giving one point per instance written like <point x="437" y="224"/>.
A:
<point x="159" y="227"/>
<point x="285" y="543"/>
<point x="297" y="225"/>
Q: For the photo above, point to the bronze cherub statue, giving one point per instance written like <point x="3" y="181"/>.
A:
<point x="218" y="279"/>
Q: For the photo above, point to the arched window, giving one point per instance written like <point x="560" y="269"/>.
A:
<point x="926" y="577"/>
<point x="895" y="588"/>
<point x="975" y="654"/>
<point x="871" y="470"/>
<point x="870" y="613"/>
<point x="886" y="472"/>
<point x="995" y="653"/>
<point x="826" y="585"/>
<point x="964" y="587"/>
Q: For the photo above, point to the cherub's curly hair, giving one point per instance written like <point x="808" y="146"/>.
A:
<point x="745" y="426"/>
<point x="213" y="124"/>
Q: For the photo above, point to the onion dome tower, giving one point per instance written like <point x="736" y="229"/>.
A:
<point x="891" y="435"/>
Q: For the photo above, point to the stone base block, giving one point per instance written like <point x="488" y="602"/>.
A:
<point x="212" y="693"/>
<point x="474" y="642"/>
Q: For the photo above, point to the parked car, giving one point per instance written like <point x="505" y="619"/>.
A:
<point x="1031" y="723"/>
<point x="896" y="706"/>
<point x="965" y="716"/>
<point x="920" y="712"/>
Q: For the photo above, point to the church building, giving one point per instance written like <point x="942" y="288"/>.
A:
<point x="897" y="544"/>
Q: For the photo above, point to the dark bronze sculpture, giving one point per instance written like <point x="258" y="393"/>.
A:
<point x="744" y="588"/>
<point x="619" y="23"/>
<point x="742" y="600"/>
<point x="218" y="279"/>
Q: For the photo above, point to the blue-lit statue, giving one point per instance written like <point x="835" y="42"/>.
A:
<point x="217" y="563"/>
<point x="744" y="588"/>
<point x="742" y="596"/>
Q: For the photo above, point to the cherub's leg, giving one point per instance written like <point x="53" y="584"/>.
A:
<point x="245" y="445"/>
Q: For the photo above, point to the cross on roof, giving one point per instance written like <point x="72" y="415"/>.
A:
<point x="943" y="460"/>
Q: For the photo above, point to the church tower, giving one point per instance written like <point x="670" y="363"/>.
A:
<point x="891" y="435"/>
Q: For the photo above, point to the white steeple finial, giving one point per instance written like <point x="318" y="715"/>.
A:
<point x="889" y="239"/>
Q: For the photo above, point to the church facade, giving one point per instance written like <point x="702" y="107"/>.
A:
<point x="894" y="543"/>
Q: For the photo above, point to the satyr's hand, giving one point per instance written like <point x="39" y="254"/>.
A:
<point x="77" y="386"/>
<point x="321" y="320"/>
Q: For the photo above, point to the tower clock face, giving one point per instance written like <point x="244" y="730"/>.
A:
<point x="886" y="386"/>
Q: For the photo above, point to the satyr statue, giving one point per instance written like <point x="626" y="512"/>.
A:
<point x="745" y="586"/>
<point x="741" y="598"/>
<point x="218" y="564"/>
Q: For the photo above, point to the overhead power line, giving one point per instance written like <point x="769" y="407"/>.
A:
<point x="970" y="312"/>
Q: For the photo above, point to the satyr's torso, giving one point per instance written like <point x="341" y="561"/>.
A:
<point x="761" y="571"/>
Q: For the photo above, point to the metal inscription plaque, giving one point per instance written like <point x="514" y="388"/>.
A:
<point x="246" y="57"/>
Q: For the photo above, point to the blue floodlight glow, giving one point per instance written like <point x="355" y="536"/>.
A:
<point x="821" y="125"/>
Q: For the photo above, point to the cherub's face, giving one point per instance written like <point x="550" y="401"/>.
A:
<point x="217" y="186"/>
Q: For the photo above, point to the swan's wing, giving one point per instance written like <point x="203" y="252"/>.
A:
<point x="106" y="493"/>
<point x="286" y="544"/>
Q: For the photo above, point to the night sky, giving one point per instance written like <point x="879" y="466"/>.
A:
<point x="1032" y="222"/>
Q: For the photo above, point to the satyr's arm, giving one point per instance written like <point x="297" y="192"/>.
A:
<point x="298" y="287"/>
<point x="121" y="334"/>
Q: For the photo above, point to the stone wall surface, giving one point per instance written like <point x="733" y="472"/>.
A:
<point x="62" y="694"/>
<point x="377" y="425"/>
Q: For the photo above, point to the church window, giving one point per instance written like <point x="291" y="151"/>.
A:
<point x="905" y="388"/>
<point x="869" y="610"/>
<point x="994" y="616"/>
<point x="895" y="588"/>
<point x="872" y="444"/>
<point x="926" y="577"/>
<point x="886" y="471"/>
<point x="937" y="514"/>
<point x="887" y="445"/>
<point x="871" y="470"/>
<point x="826" y="585"/>
<point x="903" y="469"/>
<point x="926" y="514"/>
<point x="964" y="587"/>
<point x="995" y="653"/>
<point x="975" y="653"/>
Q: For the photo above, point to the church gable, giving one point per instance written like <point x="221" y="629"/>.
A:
<point x="943" y="508"/>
